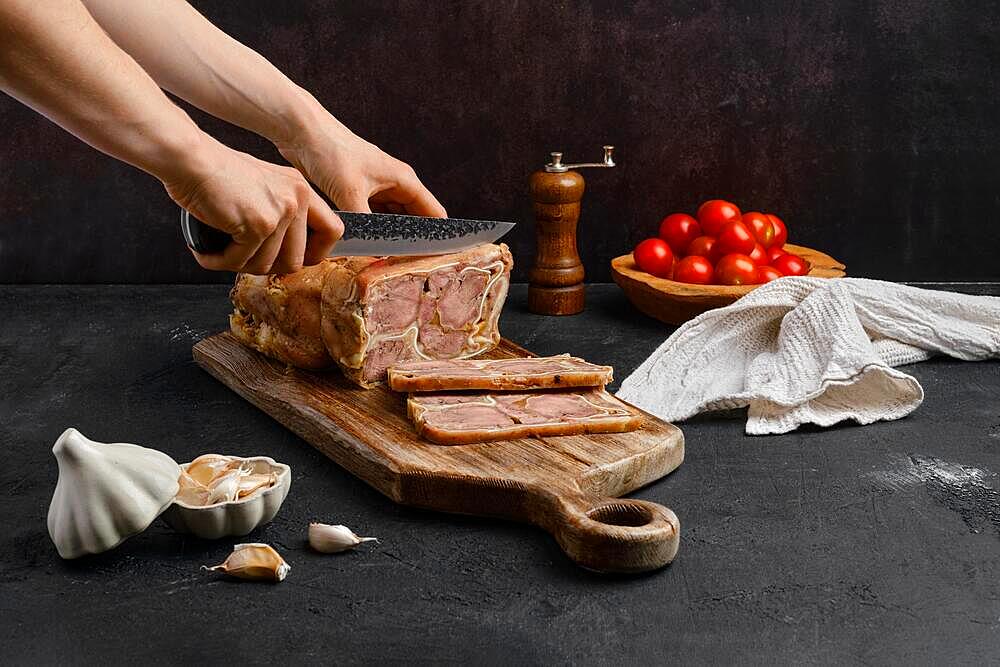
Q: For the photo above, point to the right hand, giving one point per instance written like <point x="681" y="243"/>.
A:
<point x="278" y="223"/>
<point x="354" y="174"/>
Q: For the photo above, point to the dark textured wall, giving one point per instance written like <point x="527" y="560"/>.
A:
<point x="872" y="127"/>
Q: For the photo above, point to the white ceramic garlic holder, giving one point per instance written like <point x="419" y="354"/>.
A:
<point x="234" y="517"/>
<point x="106" y="493"/>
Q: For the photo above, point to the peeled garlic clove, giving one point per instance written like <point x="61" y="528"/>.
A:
<point x="254" y="561"/>
<point x="333" y="539"/>
<point x="207" y="466"/>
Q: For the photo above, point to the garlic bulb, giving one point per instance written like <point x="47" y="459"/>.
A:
<point x="253" y="561"/>
<point x="106" y="493"/>
<point x="333" y="539"/>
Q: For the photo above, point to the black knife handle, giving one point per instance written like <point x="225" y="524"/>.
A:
<point x="200" y="237"/>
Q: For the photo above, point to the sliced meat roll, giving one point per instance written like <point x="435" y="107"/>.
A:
<point x="556" y="372"/>
<point x="365" y="314"/>
<point x="457" y="419"/>
<point x="411" y="308"/>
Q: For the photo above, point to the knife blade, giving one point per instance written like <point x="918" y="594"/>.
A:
<point x="375" y="234"/>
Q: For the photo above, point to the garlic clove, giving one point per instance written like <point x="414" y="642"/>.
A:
<point x="329" y="539"/>
<point x="225" y="488"/>
<point x="189" y="486"/>
<point x="254" y="561"/>
<point x="251" y="483"/>
<point x="207" y="466"/>
<point x="191" y="491"/>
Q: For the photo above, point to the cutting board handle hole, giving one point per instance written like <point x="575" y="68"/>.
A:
<point x="622" y="514"/>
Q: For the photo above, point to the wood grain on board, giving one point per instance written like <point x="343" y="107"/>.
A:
<point x="566" y="485"/>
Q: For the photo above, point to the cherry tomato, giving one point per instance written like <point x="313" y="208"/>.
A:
<point x="714" y="213"/>
<point x="773" y="253"/>
<point x="758" y="255"/>
<point x="735" y="269"/>
<point x="702" y="246"/>
<point x="780" y="231"/>
<point x="679" y="229"/>
<point x="734" y="238"/>
<point x="694" y="269"/>
<point x="761" y="228"/>
<point x="791" y="265"/>
<point x="766" y="274"/>
<point x="654" y="256"/>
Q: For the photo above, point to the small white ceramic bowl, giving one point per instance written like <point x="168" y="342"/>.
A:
<point x="237" y="517"/>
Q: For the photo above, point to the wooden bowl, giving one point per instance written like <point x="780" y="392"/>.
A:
<point x="674" y="303"/>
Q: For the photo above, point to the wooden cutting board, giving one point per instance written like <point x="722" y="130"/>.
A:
<point x="566" y="485"/>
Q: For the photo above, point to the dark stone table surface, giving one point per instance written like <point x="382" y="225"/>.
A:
<point x="876" y="544"/>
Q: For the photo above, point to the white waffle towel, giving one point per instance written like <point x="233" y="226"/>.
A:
<point x="812" y="351"/>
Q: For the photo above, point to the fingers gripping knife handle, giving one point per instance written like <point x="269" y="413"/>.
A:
<point x="200" y="237"/>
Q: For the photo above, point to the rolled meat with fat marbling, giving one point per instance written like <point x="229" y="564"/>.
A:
<point x="457" y="419"/>
<point x="556" y="372"/>
<point x="365" y="314"/>
<point x="414" y="308"/>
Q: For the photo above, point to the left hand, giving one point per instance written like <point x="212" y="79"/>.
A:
<point x="357" y="175"/>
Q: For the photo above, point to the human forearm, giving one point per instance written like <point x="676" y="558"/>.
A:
<point x="56" y="59"/>
<point x="196" y="61"/>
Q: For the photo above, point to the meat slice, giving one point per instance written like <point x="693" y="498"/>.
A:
<point x="400" y="309"/>
<point x="498" y="374"/>
<point x="458" y="419"/>
<point x="365" y="314"/>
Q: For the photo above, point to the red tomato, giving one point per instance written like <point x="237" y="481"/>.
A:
<point x="773" y="253"/>
<point x="702" y="246"/>
<point x="734" y="238"/>
<point x="761" y="228"/>
<point x="714" y="213"/>
<point x="791" y="265"/>
<point x="735" y="269"/>
<point x="780" y="231"/>
<point x="758" y="255"/>
<point x="766" y="274"/>
<point x="679" y="229"/>
<point x="693" y="269"/>
<point x="654" y="256"/>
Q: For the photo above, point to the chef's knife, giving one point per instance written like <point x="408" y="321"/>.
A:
<point x="376" y="234"/>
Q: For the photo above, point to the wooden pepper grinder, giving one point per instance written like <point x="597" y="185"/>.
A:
<point x="556" y="281"/>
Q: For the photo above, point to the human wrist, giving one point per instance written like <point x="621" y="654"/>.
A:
<point x="304" y="122"/>
<point x="185" y="158"/>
